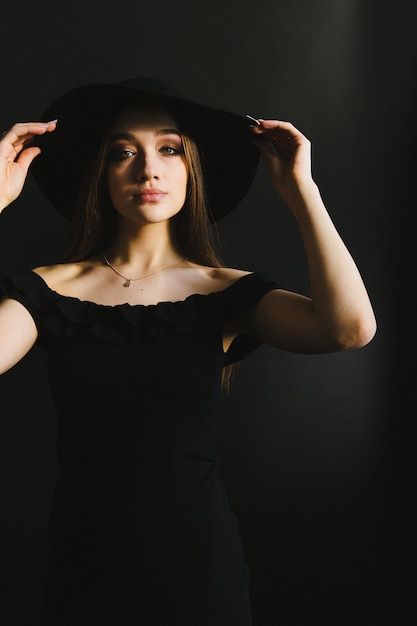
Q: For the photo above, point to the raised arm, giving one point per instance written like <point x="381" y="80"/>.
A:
<point x="17" y="329"/>
<point x="339" y="315"/>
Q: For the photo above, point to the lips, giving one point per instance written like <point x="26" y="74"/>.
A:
<point x="150" y="195"/>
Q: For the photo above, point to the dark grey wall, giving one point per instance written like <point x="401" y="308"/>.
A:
<point x="316" y="450"/>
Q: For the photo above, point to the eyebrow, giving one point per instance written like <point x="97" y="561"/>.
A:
<point x="130" y="136"/>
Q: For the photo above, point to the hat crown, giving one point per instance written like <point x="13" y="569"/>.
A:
<point x="154" y="85"/>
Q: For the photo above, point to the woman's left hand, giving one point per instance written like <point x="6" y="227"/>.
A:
<point x="287" y="153"/>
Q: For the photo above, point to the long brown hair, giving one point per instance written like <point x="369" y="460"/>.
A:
<point x="94" y="226"/>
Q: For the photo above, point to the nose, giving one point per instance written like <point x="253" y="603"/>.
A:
<point x="146" y="166"/>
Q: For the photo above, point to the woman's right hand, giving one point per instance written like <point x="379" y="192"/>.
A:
<point x="16" y="156"/>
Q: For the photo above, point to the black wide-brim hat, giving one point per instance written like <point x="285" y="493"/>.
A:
<point x="223" y="139"/>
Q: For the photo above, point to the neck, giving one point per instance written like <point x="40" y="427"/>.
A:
<point x="150" y="247"/>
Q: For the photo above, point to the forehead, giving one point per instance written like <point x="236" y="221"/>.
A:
<point x="144" y="116"/>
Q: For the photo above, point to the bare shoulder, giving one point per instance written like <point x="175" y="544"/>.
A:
<point x="208" y="279"/>
<point x="60" y="273"/>
<point x="229" y="274"/>
<point x="221" y="274"/>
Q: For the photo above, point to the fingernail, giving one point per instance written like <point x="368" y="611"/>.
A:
<point x="52" y="121"/>
<point x="253" y="119"/>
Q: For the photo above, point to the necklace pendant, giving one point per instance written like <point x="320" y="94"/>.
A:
<point x="128" y="281"/>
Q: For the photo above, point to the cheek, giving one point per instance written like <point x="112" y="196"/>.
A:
<point x="113" y="182"/>
<point x="183" y="177"/>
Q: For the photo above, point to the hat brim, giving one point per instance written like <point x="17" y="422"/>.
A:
<point x="229" y="160"/>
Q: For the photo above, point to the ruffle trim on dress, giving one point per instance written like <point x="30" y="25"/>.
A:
<point x="75" y="319"/>
<point x="71" y="318"/>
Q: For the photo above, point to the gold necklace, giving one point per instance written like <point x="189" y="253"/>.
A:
<point x="129" y="281"/>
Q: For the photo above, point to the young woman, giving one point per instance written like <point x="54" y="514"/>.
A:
<point x="140" y="324"/>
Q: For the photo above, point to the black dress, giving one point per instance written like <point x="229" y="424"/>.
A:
<point x="141" y="529"/>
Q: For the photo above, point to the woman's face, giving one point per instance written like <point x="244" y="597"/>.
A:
<point x="146" y="171"/>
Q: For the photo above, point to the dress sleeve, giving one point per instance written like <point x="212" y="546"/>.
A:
<point x="246" y="294"/>
<point x="20" y="287"/>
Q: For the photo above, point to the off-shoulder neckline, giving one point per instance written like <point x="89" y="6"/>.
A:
<point x="63" y="297"/>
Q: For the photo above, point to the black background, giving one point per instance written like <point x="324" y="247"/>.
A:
<point x="317" y="451"/>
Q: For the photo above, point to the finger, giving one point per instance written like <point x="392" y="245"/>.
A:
<point x="280" y="125"/>
<point x="266" y="146"/>
<point x="23" y="131"/>
<point x="278" y="129"/>
<point x="20" y="135"/>
<point x="272" y="145"/>
<point x="27" y="156"/>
